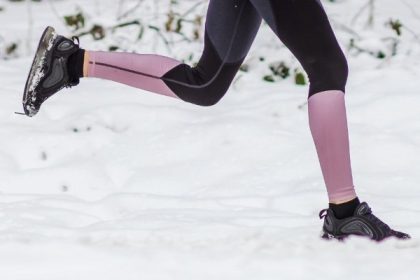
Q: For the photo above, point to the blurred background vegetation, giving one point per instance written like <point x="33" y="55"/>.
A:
<point x="170" y="23"/>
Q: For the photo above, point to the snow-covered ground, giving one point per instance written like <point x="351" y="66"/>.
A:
<point x="109" y="182"/>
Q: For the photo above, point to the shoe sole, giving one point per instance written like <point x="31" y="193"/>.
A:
<point x="328" y="236"/>
<point x="35" y="73"/>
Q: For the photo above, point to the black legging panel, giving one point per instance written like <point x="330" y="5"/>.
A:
<point x="303" y="26"/>
<point x="231" y="27"/>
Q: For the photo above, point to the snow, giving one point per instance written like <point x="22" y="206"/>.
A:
<point x="108" y="182"/>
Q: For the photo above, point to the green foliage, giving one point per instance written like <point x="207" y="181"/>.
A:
<point x="396" y="25"/>
<point x="244" y="68"/>
<point x="175" y="24"/>
<point x="11" y="49"/>
<point x="76" y="21"/>
<point x="269" y="78"/>
<point x="97" y="32"/>
<point x="300" y="78"/>
<point x="280" y="69"/>
<point x="380" y="54"/>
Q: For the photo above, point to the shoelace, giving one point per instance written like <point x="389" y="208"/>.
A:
<point x="76" y="38"/>
<point x="323" y="213"/>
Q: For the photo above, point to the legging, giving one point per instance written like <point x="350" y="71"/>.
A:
<point x="231" y="27"/>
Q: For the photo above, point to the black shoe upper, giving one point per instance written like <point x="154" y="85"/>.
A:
<point x="55" y="74"/>
<point x="362" y="223"/>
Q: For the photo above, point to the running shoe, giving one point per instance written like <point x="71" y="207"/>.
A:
<point x="362" y="223"/>
<point x="49" y="72"/>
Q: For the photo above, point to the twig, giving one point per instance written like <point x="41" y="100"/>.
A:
<point x="190" y="10"/>
<point x="413" y="11"/>
<point x="416" y="36"/>
<point x="120" y="8"/>
<point x="371" y="13"/>
<point x="30" y="25"/>
<point x="345" y="28"/>
<point x="159" y="33"/>
<point x="57" y="15"/>
<point x="369" y="5"/>
<point x="131" y="10"/>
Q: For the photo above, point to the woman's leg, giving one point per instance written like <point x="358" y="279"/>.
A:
<point x="304" y="28"/>
<point x="231" y="27"/>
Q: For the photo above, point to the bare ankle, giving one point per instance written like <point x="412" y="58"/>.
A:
<point x="341" y="201"/>
<point x="85" y="64"/>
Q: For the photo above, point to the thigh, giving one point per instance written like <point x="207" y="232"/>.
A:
<point x="231" y="27"/>
<point x="303" y="26"/>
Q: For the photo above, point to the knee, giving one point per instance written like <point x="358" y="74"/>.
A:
<point x="206" y="97"/>
<point x="199" y="85"/>
<point x="328" y="73"/>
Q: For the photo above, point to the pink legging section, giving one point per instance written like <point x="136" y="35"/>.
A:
<point x="327" y="112"/>
<point x="142" y="71"/>
<point x="328" y="124"/>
